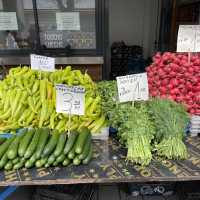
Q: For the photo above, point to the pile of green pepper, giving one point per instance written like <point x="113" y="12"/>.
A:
<point x="28" y="99"/>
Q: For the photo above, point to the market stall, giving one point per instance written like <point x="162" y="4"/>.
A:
<point x="59" y="124"/>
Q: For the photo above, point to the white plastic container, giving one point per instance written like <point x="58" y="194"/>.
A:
<point x="103" y="135"/>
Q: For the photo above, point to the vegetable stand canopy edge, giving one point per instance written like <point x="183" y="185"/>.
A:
<point x="109" y="165"/>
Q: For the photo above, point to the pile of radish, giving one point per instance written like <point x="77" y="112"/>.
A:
<point x="176" y="76"/>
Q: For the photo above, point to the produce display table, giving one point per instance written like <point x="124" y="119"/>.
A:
<point x="108" y="166"/>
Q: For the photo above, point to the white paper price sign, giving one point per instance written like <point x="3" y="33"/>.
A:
<point x="70" y="99"/>
<point x="133" y="87"/>
<point x="42" y="63"/>
<point x="188" y="38"/>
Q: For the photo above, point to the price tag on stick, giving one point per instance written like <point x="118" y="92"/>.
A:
<point x="188" y="38"/>
<point x="42" y="63"/>
<point x="133" y="87"/>
<point x="70" y="99"/>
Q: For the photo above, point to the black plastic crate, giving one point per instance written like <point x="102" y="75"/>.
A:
<point x="66" y="192"/>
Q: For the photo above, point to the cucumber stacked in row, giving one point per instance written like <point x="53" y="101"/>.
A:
<point x="39" y="148"/>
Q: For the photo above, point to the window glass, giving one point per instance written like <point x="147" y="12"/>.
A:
<point x="67" y="22"/>
<point x="17" y="25"/>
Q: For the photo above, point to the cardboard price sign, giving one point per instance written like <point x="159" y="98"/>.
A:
<point x="42" y="63"/>
<point x="133" y="87"/>
<point x="70" y="99"/>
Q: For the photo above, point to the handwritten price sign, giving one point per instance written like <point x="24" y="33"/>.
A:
<point x="133" y="87"/>
<point x="42" y="63"/>
<point x="188" y="38"/>
<point x="70" y="99"/>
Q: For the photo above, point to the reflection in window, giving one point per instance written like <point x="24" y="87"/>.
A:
<point x="22" y="37"/>
<point x="54" y="37"/>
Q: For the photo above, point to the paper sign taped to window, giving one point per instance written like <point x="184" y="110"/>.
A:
<point x="83" y="4"/>
<point x="8" y="21"/>
<point x="68" y="21"/>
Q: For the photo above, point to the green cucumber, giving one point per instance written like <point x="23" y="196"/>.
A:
<point x="46" y="165"/>
<point x="9" y="165"/>
<point x="72" y="154"/>
<point x="33" y="145"/>
<point x="60" y="158"/>
<point x="51" y="159"/>
<point x="25" y="142"/>
<point x="51" y="144"/>
<point x="18" y="165"/>
<point x="38" y="163"/>
<point x="76" y="161"/>
<point x="82" y="138"/>
<point x="60" y="145"/>
<point x="4" y="147"/>
<point x="55" y="163"/>
<point x="3" y="160"/>
<point x="28" y="164"/>
<point x="70" y="142"/>
<point x="16" y="160"/>
<point x="86" y="149"/>
<point x="42" y="141"/>
<point x="13" y="148"/>
<point x="41" y="162"/>
<point x="44" y="161"/>
<point x="33" y="158"/>
<point x="66" y="162"/>
<point x="88" y="158"/>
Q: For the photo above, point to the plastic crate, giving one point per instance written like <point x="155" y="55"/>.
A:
<point x="66" y="192"/>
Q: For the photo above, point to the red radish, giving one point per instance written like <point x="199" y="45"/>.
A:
<point x="163" y="90"/>
<point x="170" y="86"/>
<point x="192" y="111"/>
<point x="171" y="76"/>
<point x="167" y="68"/>
<point x="165" y="82"/>
<point x="174" y="67"/>
<point x="181" y="81"/>
<point x="154" y="93"/>
<point x="189" y="85"/>
<point x="191" y="69"/>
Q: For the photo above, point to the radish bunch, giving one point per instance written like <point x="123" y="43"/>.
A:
<point x="176" y="77"/>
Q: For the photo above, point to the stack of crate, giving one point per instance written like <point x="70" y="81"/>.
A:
<point x="120" y="56"/>
<point x="195" y="125"/>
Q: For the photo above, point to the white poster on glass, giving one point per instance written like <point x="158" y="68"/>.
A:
<point x="68" y="21"/>
<point x="84" y="4"/>
<point x="8" y="21"/>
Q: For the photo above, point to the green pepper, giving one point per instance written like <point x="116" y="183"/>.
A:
<point x="16" y="101"/>
<point x="52" y="120"/>
<point x="5" y="115"/>
<point x="30" y="118"/>
<point x="31" y="104"/>
<point x="43" y="113"/>
<point x="43" y="90"/>
<point x="93" y="106"/>
<point x="7" y="100"/>
<point x="35" y="86"/>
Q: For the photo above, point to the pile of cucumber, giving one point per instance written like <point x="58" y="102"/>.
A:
<point x="45" y="148"/>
